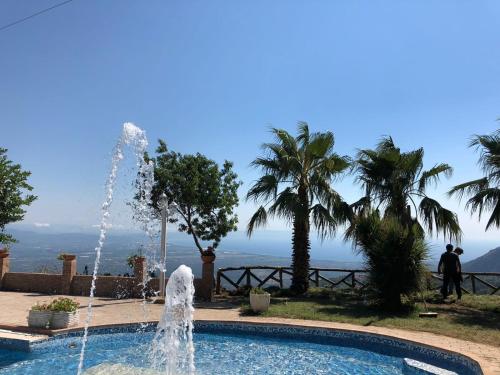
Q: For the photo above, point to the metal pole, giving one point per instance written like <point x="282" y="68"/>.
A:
<point x="163" y="249"/>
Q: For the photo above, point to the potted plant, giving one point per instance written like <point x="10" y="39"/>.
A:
<point x="60" y="313"/>
<point x="64" y="313"/>
<point x="134" y="258"/>
<point x="64" y="256"/>
<point x="208" y="255"/>
<point x="40" y="316"/>
<point x="259" y="300"/>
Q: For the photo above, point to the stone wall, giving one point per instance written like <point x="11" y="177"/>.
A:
<point x="32" y="282"/>
<point x="68" y="282"/>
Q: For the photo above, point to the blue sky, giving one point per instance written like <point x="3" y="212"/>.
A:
<point x="212" y="76"/>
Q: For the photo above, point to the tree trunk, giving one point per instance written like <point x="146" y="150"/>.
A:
<point x="300" y="257"/>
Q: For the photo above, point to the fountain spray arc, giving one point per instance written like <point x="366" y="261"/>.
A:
<point x="172" y="349"/>
<point x="136" y="138"/>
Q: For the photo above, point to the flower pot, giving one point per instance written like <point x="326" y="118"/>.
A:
<point x="39" y="319"/>
<point x="208" y="258"/>
<point x="69" y="257"/>
<point x="260" y="302"/>
<point x="63" y="319"/>
<point x="4" y="253"/>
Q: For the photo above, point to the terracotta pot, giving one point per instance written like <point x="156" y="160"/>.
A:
<point x="69" y="257"/>
<point x="208" y="258"/>
<point x="4" y="253"/>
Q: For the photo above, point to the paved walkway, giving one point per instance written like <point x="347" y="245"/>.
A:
<point x="14" y="309"/>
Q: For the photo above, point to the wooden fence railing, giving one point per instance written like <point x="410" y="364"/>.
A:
<point x="352" y="278"/>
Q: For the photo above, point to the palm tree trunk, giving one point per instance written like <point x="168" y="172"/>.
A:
<point x="301" y="246"/>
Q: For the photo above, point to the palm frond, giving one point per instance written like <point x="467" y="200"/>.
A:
<point x="485" y="199"/>
<point x="264" y="189"/>
<point x="432" y="175"/>
<point x="438" y="219"/>
<point x="258" y="219"/>
<point x="286" y="205"/>
<point x="469" y="188"/>
<point x="323" y="221"/>
<point x="303" y="133"/>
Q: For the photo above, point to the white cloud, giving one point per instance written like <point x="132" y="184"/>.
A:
<point x="42" y="225"/>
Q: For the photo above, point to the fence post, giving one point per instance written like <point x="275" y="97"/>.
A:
<point x="281" y="278"/>
<point x="353" y="280"/>
<point x="473" y="282"/>
<point x="249" y="281"/>
<point x="316" y="278"/>
<point x="217" y="288"/>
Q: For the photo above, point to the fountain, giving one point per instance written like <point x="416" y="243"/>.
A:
<point x="172" y="349"/>
<point x="136" y="138"/>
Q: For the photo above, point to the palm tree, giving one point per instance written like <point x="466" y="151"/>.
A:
<point x="395" y="181"/>
<point x="386" y="229"/>
<point x="484" y="193"/>
<point x="295" y="186"/>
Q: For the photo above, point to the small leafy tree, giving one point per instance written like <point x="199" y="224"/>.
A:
<point x="14" y="194"/>
<point x="484" y="193"/>
<point x="205" y="195"/>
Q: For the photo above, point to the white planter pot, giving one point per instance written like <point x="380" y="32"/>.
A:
<point x="62" y="319"/>
<point x="260" y="302"/>
<point x="39" y="319"/>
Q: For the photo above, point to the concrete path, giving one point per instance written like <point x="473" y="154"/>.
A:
<point x="14" y="309"/>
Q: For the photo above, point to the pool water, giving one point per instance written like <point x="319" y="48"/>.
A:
<point x="215" y="352"/>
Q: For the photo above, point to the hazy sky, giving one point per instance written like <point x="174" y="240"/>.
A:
<point x="212" y="76"/>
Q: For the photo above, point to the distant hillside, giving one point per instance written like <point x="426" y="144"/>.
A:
<point x="489" y="262"/>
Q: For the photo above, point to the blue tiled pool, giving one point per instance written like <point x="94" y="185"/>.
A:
<point x="227" y="348"/>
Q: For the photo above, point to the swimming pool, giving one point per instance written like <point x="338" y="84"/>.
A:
<point x="233" y="348"/>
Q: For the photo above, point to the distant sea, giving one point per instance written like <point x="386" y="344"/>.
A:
<point x="37" y="251"/>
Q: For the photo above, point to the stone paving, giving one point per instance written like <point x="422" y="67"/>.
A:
<point x="14" y="309"/>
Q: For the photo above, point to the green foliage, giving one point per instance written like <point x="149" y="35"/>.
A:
<point x="59" y="304"/>
<point x="258" y="291"/>
<point x="395" y="182"/>
<point x="206" y="196"/>
<point x="394" y="254"/>
<point x="40" y="307"/>
<point x="295" y="185"/>
<point x="484" y="193"/>
<point x="64" y="304"/>
<point x="132" y="258"/>
<point x="61" y="256"/>
<point x="13" y="194"/>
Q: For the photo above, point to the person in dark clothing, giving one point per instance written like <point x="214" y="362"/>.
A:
<point x="459" y="251"/>
<point x="449" y="265"/>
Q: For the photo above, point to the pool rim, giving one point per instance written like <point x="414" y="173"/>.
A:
<point x="259" y="328"/>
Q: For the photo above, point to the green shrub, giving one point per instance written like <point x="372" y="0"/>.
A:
<point x="64" y="304"/>
<point x="394" y="255"/>
<point x="258" y="291"/>
<point x="40" y="307"/>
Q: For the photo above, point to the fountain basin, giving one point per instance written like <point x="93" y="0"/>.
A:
<point x="230" y="348"/>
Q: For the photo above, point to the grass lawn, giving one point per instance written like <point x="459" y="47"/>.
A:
<point x="475" y="318"/>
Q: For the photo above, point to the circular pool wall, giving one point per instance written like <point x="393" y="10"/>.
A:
<point x="237" y="348"/>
